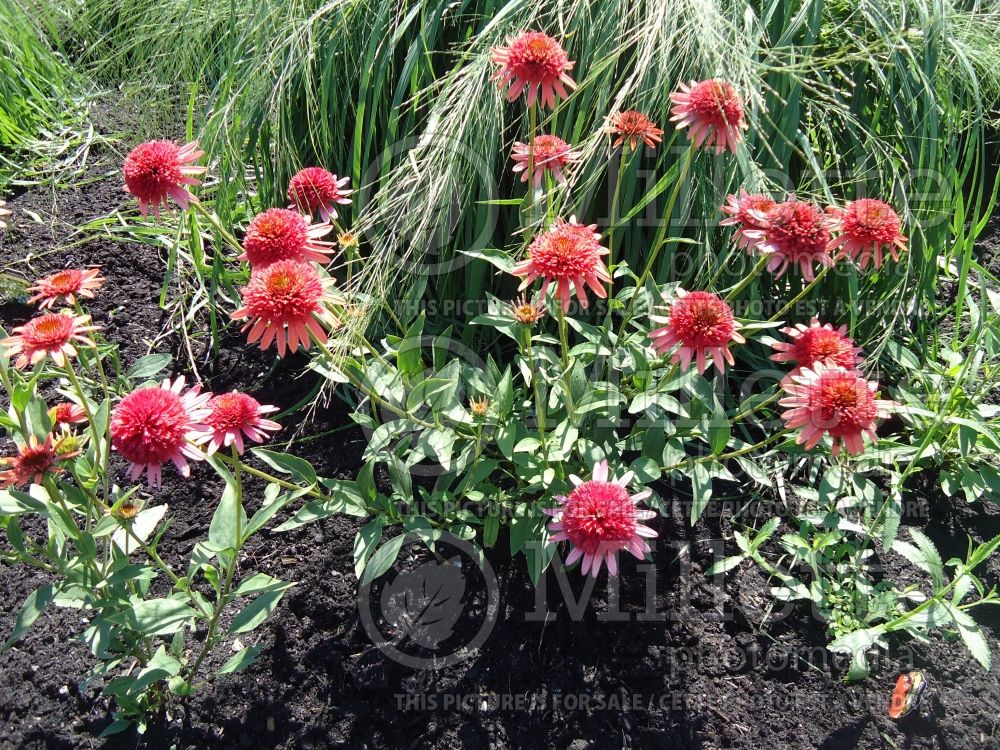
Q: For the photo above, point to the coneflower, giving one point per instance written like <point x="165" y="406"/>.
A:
<point x="53" y="335"/>
<point x="697" y="326"/>
<point x="281" y="234"/>
<point x="864" y="229"/>
<point x="829" y="400"/>
<point x="233" y="416"/>
<point x="713" y="113"/>
<point x="817" y="343"/>
<point x="536" y="63"/>
<point x="154" y="425"/>
<point x="66" y="286"/>
<point x="631" y="127"/>
<point x="157" y="170"/>
<point x="599" y="518"/>
<point x="568" y="256"/>
<point x="314" y="190"/>
<point x="552" y="154"/>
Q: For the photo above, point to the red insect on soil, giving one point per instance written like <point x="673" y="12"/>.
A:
<point x="909" y="689"/>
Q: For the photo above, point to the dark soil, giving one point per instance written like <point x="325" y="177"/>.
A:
<point x="701" y="676"/>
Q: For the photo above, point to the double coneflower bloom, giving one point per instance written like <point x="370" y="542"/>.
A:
<point x="157" y="170"/>
<point x="535" y="63"/>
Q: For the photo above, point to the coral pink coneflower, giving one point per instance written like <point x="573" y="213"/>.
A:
<point x="154" y="425"/>
<point x="827" y="399"/>
<point x="51" y="335"/>
<point x="66" y="285"/>
<point x="158" y="170"/>
<point x="794" y="233"/>
<point x="67" y="413"/>
<point x="864" y="229"/>
<point x="697" y="323"/>
<point x="740" y="210"/>
<point x="633" y="126"/>
<point x="552" y="154"/>
<point x="314" y="190"/>
<point x="568" y="253"/>
<point x="599" y="518"/>
<point x="536" y="62"/>
<point x="817" y="343"/>
<point x="233" y="416"/>
<point x="33" y="461"/>
<point x="284" y="302"/>
<point x="281" y="234"/>
<point x="713" y="111"/>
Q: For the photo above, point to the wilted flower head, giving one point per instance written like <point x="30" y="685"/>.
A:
<point x="3" y="212"/>
<point x="280" y="234"/>
<point x="713" y="111"/>
<point x="53" y="335"/>
<point x="832" y="400"/>
<point x="795" y="233"/>
<point x="743" y="212"/>
<point x="33" y="461"/>
<point x="158" y="170"/>
<point x="552" y="154"/>
<point x="233" y="416"/>
<point x="67" y="286"/>
<point x="525" y="312"/>
<point x="67" y="413"/>
<point x="348" y="241"/>
<point x="865" y="228"/>
<point x="633" y="126"/>
<point x="154" y="425"/>
<point x="479" y="406"/>
<point x="285" y="303"/>
<point x="698" y="324"/>
<point x="817" y="343"/>
<point x="599" y="518"/>
<point x="534" y="61"/>
<point x="314" y="190"/>
<point x="568" y="253"/>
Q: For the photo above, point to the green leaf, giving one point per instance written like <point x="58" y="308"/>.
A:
<point x="148" y="366"/>
<point x="973" y="636"/>
<point x="725" y="565"/>
<point x="258" y="610"/>
<point x="719" y="430"/>
<point x="222" y="529"/>
<point x="498" y="258"/>
<point x="33" y="606"/>
<point x="300" y="469"/>
<point x="701" y="490"/>
<point x="365" y="542"/>
<point x="161" y="616"/>
<point x="408" y="354"/>
<point x="241" y="660"/>
<point x="383" y="559"/>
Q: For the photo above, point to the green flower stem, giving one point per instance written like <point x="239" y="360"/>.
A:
<point x="754" y="273"/>
<point x="798" y="297"/>
<point x="540" y="410"/>
<point x="218" y="226"/>
<point x="9" y="387"/>
<point x="98" y="439"/>
<point x="564" y="350"/>
<point x="661" y="235"/>
<point x="613" y="227"/>
<point x="749" y="412"/>
<point x="731" y="454"/>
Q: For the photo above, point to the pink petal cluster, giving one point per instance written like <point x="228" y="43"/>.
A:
<point x="536" y="63"/>
<point x="826" y="399"/>
<point x="552" y="154"/>
<point x="817" y="343"/>
<point x="699" y="325"/>
<point x="281" y="234"/>
<point x="567" y="255"/>
<point x="233" y="416"/>
<point x="713" y="112"/>
<point x="53" y="335"/>
<point x="155" y="425"/>
<point x="66" y="286"/>
<point x="157" y="170"/>
<point x="599" y="518"/>
<point x="315" y="190"/>
<point x="865" y="228"/>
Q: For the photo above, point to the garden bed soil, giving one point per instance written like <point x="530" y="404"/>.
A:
<point x="705" y="678"/>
